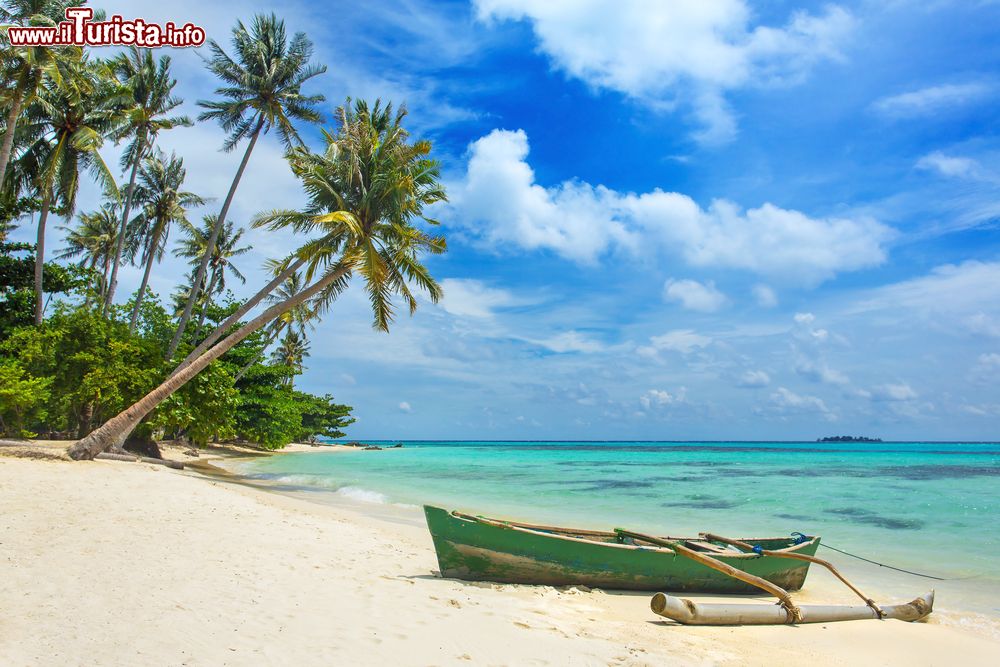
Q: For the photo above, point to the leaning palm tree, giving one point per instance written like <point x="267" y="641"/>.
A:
<point x="194" y="245"/>
<point x="262" y="89"/>
<point x="27" y="67"/>
<point x="163" y="203"/>
<point x="365" y="191"/>
<point x="147" y="107"/>
<point x="93" y="241"/>
<point x="68" y="121"/>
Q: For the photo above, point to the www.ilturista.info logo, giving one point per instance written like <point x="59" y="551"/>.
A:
<point x="79" y="30"/>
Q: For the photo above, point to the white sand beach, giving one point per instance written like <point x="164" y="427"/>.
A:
<point x="109" y="563"/>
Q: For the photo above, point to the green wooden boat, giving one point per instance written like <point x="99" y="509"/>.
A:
<point x="481" y="549"/>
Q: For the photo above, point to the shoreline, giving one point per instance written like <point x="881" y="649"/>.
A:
<point x="887" y="586"/>
<point x="130" y="562"/>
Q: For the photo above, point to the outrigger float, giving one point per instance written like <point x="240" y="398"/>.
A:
<point x="696" y="613"/>
<point x="478" y="548"/>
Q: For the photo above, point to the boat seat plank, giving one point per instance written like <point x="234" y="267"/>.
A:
<point x="701" y="545"/>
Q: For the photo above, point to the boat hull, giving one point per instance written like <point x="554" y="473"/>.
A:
<point x="487" y="551"/>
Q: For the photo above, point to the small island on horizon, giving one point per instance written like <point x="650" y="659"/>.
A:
<point x="848" y="438"/>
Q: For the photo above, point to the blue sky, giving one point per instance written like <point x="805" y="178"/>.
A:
<point x="680" y="220"/>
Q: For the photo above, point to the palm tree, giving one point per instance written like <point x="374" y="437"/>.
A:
<point x="283" y="272"/>
<point x="150" y="100"/>
<point x="194" y="245"/>
<point x="26" y="68"/>
<point x="163" y="203"/>
<point x="94" y="240"/>
<point x="365" y="192"/>
<point x="291" y="353"/>
<point x="298" y="319"/>
<point x="68" y="122"/>
<point x="262" y="90"/>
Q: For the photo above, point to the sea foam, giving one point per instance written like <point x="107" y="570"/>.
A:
<point x="363" y="495"/>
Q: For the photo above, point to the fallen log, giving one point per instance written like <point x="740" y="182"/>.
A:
<point x="107" y="456"/>
<point x="176" y="465"/>
<point x="693" y="613"/>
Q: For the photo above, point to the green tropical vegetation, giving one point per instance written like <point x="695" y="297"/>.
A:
<point x="199" y="365"/>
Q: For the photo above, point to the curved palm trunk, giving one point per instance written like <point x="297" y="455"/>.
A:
<point x="40" y="260"/>
<point x="208" y="301"/>
<point x="247" y="367"/>
<point x="219" y="222"/>
<point x="120" y="245"/>
<point x="116" y="429"/>
<point x="8" y="137"/>
<point x="93" y="265"/>
<point x="151" y="255"/>
<point x="220" y="330"/>
<point x="104" y="275"/>
<point x="258" y="357"/>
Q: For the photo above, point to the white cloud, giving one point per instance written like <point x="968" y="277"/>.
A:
<point x="777" y="242"/>
<point x="986" y="369"/>
<point x="405" y="407"/>
<point x="571" y="341"/>
<point x="961" y="297"/>
<point x="804" y="329"/>
<point x="983" y="324"/>
<point x="819" y="371"/>
<point x="754" y="379"/>
<point x="685" y="51"/>
<point x="694" y="295"/>
<point x="982" y="410"/>
<point x="786" y="400"/>
<point x="931" y="99"/>
<point x="655" y="398"/>
<point x="894" y="392"/>
<point x="989" y="361"/>
<point x="960" y="167"/>
<point x="500" y="190"/>
<point x="765" y="296"/>
<point x="684" y="341"/>
<point x="348" y="379"/>
<point x="500" y="202"/>
<point x="473" y="298"/>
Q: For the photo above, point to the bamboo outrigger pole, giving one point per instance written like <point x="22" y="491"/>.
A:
<point x="688" y="612"/>
<point x="812" y="559"/>
<point x="784" y="598"/>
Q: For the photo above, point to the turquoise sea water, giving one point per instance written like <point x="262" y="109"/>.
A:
<point x="930" y="507"/>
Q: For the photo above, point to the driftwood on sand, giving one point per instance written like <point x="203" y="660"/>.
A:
<point x="176" y="465"/>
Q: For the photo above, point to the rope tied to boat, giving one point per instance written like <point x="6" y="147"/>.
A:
<point x="897" y="569"/>
<point x="799" y="539"/>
